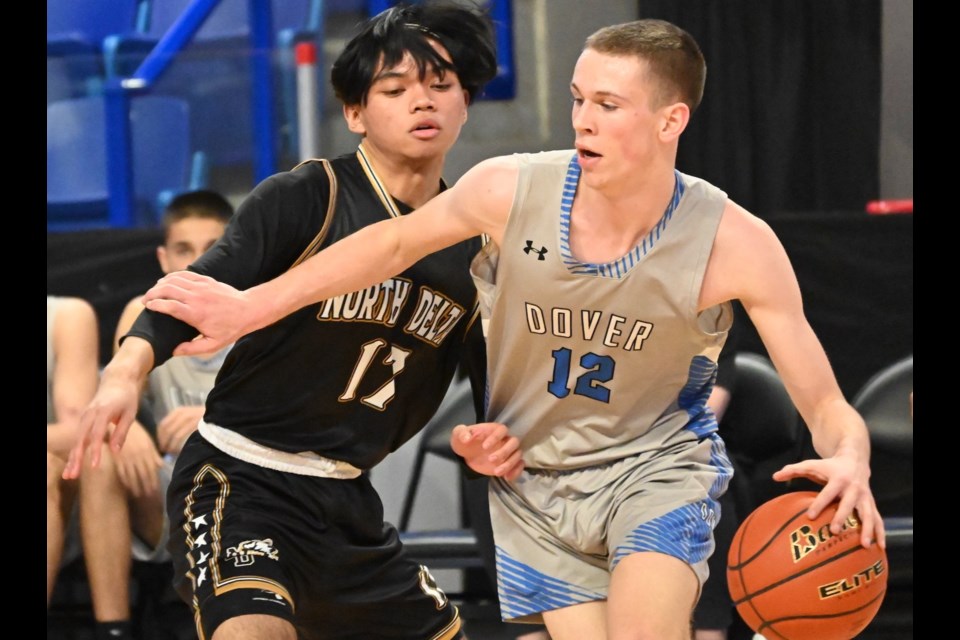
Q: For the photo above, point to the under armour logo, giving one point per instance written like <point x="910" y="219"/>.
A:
<point x="542" y="251"/>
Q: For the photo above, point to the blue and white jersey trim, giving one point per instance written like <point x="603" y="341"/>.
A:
<point x="618" y="268"/>
<point x="684" y="533"/>
<point x="524" y="591"/>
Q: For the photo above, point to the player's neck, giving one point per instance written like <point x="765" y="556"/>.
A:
<point x="636" y="203"/>
<point x="607" y="222"/>
<point x="413" y="181"/>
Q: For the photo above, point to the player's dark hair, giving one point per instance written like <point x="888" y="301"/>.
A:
<point x="465" y="32"/>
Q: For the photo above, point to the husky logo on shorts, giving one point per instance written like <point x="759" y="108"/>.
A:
<point x="429" y="586"/>
<point x="246" y="552"/>
<point x="708" y="515"/>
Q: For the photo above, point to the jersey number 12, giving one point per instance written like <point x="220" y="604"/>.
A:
<point x="598" y="369"/>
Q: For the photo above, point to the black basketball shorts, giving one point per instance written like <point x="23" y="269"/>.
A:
<point x="314" y="551"/>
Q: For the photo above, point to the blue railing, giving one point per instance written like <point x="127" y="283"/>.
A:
<point x="117" y="92"/>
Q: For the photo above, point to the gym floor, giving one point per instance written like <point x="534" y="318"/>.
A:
<point x="162" y="616"/>
<point x="158" y="614"/>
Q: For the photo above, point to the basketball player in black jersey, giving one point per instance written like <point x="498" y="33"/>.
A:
<point x="276" y="531"/>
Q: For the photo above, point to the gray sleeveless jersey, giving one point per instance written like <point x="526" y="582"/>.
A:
<point x="591" y="363"/>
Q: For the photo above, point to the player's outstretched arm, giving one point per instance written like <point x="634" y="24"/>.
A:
<point x="749" y="263"/>
<point x="488" y="448"/>
<point x="113" y="407"/>
<point x="479" y="203"/>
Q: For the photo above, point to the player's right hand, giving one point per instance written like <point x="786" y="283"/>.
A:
<point x="108" y="416"/>
<point x="217" y="310"/>
<point x="488" y="448"/>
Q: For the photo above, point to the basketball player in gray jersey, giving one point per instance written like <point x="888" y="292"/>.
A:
<point x="607" y="295"/>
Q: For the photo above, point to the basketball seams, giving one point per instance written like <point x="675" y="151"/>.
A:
<point x="798" y="574"/>
<point x="767" y="625"/>
<point x="739" y="542"/>
<point x="767" y="544"/>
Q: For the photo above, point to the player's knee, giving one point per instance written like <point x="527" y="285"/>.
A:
<point x="105" y="471"/>
<point x="255" y="627"/>
<point x="653" y="629"/>
<point x="54" y="471"/>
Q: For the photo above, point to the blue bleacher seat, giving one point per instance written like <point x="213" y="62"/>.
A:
<point x="214" y="68"/>
<point x="79" y="27"/>
<point x="75" y="35"/>
<point x="164" y="161"/>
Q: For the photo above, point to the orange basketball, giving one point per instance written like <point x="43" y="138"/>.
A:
<point x="792" y="579"/>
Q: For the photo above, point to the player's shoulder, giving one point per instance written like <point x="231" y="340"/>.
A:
<point x="308" y="174"/>
<point x="744" y="238"/>
<point x="71" y="314"/>
<point x="75" y="307"/>
<point x="738" y="222"/>
<point x="695" y="185"/>
<point x="506" y="166"/>
<point x="554" y="157"/>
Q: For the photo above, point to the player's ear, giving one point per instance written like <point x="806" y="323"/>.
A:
<point x="162" y="259"/>
<point x="674" y="119"/>
<point x="351" y="113"/>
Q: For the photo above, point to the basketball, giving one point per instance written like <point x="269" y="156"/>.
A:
<point x="790" y="578"/>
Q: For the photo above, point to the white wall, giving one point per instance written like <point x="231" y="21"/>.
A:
<point x="896" y="108"/>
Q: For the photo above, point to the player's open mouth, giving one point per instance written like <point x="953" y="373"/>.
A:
<point x="426" y="124"/>
<point x="425" y="132"/>
<point x="586" y="155"/>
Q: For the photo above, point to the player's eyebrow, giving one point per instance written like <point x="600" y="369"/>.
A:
<point x="597" y="94"/>
<point x="388" y="74"/>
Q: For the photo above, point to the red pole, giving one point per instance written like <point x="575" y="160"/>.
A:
<point x="308" y="101"/>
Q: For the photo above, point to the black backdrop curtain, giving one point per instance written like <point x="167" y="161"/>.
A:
<point x="789" y="127"/>
<point x="790" y="119"/>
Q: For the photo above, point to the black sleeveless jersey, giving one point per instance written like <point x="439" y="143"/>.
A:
<point x="350" y="378"/>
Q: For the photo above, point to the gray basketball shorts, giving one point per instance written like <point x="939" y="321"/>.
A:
<point x="560" y="534"/>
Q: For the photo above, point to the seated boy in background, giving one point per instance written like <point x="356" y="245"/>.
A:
<point x="72" y="376"/>
<point x="122" y="501"/>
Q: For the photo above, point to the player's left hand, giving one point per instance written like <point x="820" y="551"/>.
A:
<point x="488" y="448"/>
<point x="845" y="479"/>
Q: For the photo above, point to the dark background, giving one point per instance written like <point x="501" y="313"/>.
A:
<point x="790" y="118"/>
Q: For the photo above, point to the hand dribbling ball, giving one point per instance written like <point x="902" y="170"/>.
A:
<point x="792" y="579"/>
